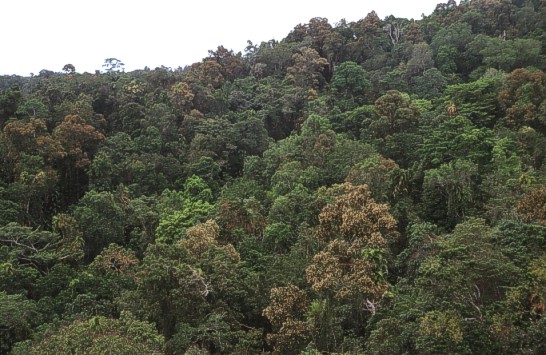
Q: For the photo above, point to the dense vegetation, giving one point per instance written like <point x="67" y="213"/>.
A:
<point x="373" y="187"/>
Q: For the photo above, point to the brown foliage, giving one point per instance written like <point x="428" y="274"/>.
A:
<point x="182" y="97"/>
<point x="287" y="305"/>
<point x="342" y="269"/>
<point x="116" y="259"/>
<point x="307" y="68"/>
<point x="33" y="138"/>
<point x="242" y="214"/>
<point x="292" y="336"/>
<point x="370" y="24"/>
<point x="208" y="73"/>
<point x="355" y="216"/>
<point x="524" y="97"/>
<point x="78" y="139"/>
<point x="350" y="226"/>
<point x="202" y="236"/>
<point x="232" y="66"/>
<point x="533" y="206"/>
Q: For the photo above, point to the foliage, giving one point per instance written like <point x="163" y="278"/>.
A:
<point x="371" y="186"/>
<point x="98" y="335"/>
<point x="18" y="318"/>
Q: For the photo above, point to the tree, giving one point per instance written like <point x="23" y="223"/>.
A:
<point x="232" y="64"/>
<point x="82" y="106"/>
<point x="271" y="58"/>
<point x="465" y="278"/>
<point x="79" y="141"/>
<point x="32" y="107"/>
<point x="440" y="331"/>
<point x="191" y="290"/>
<point x="457" y="138"/>
<point x="395" y="80"/>
<point x="524" y="96"/>
<point x="307" y="68"/>
<point x="32" y="138"/>
<point x="504" y="184"/>
<point x="42" y="249"/>
<point x="172" y="226"/>
<point x="350" y="79"/>
<point x="99" y="335"/>
<point x="18" y="317"/>
<point x="378" y="173"/>
<point x="421" y="59"/>
<point x="182" y="97"/>
<point x="180" y="210"/>
<point x="449" y="47"/>
<point x="201" y="237"/>
<point x="295" y="208"/>
<point x="450" y="192"/>
<point x="521" y="242"/>
<point x="69" y="68"/>
<point x="78" y="138"/>
<point x="355" y="231"/>
<point x="476" y="100"/>
<point x="422" y="243"/>
<point x="117" y="260"/>
<point x="112" y="65"/>
<point x="101" y="219"/>
<point x="505" y="54"/>
<point x="394" y="113"/>
<point x="533" y="206"/>
<point x="430" y="85"/>
<point x="287" y="306"/>
<point x="9" y="101"/>
<point x="29" y="156"/>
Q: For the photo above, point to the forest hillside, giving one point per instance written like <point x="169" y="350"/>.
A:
<point x="368" y="187"/>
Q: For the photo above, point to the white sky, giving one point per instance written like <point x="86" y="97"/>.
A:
<point x="47" y="34"/>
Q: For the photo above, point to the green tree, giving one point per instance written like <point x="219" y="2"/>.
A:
<point x="464" y="281"/>
<point x="101" y="219"/>
<point x="421" y="59"/>
<point x="69" y="68"/>
<point x="449" y="48"/>
<point x="99" y="335"/>
<point x="450" y="192"/>
<point x="350" y="80"/>
<point x="505" y="54"/>
<point x="18" y="317"/>
<point x="395" y="113"/>
<point x="430" y="85"/>
<point x="112" y="65"/>
<point x="457" y="138"/>
<point x="9" y="101"/>
<point x="476" y="100"/>
<point x="181" y="210"/>
<point x="28" y="247"/>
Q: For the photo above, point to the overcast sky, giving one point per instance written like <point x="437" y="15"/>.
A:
<point x="47" y="34"/>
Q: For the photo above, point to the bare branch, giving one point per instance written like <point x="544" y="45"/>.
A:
<point x="15" y="242"/>
<point x="371" y="306"/>
<point x="200" y="279"/>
